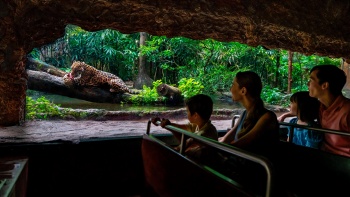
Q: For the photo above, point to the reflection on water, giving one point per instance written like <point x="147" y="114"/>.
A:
<point x="74" y="103"/>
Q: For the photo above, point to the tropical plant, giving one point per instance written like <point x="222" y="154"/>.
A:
<point x="211" y="63"/>
<point x="107" y="50"/>
<point x="190" y="87"/>
<point x="273" y="96"/>
<point x="148" y="95"/>
<point x="41" y="108"/>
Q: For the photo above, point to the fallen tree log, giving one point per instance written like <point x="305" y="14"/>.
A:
<point x="45" y="82"/>
<point x="37" y="65"/>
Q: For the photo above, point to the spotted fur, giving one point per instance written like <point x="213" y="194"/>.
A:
<point x="84" y="75"/>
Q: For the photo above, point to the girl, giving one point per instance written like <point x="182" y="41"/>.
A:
<point x="306" y="109"/>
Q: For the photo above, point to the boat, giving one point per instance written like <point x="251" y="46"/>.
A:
<point x="148" y="166"/>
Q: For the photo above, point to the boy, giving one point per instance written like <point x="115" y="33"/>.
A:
<point x="199" y="109"/>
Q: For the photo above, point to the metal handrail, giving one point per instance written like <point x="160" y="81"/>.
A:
<point x="227" y="148"/>
<point x="292" y="126"/>
<point x="315" y="128"/>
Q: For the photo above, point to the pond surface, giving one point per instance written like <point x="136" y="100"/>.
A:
<point x="74" y="103"/>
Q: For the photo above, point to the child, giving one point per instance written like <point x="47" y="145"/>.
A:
<point x="306" y="109"/>
<point x="199" y="110"/>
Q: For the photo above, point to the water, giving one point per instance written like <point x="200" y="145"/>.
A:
<point x="74" y="103"/>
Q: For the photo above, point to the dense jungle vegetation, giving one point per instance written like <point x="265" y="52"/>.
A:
<point x="209" y="63"/>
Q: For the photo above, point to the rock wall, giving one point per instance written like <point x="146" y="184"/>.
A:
<point x="309" y="27"/>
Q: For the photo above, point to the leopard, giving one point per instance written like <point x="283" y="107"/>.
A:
<point x="83" y="74"/>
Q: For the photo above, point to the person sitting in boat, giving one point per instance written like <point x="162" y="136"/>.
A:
<point x="199" y="109"/>
<point x="326" y="84"/>
<point x="257" y="129"/>
<point x="305" y="108"/>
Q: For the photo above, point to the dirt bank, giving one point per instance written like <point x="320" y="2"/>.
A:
<point x="75" y="131"/>
<point x="103" y="124"/>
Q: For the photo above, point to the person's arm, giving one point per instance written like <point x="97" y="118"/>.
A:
<point x="266" y="123"/>
<point x="230" y="135"/>
<point x="284" y="116"/>
<point x="165" y="122"/>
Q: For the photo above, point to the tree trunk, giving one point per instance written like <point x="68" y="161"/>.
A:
<point x="290" y="70"/>
<point x="142" y="78"/>
<point x="42" y="81"/>
<point x="278" y="65"/>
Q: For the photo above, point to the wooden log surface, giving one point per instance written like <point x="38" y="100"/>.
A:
<point x="45" y="82"/>
<point x="34" y="64"/>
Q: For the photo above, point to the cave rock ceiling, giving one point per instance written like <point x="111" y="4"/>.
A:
<point x="308" y="27"/>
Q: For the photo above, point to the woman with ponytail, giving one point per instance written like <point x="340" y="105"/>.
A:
<point x="257" y="129"/>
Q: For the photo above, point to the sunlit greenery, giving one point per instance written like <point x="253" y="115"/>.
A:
<point x="41" y="108"/>
<point x="148" y="95"/>
<point x="273" y="96"/>
<point x="190" y="87"/>
<point x="210" y="63"/>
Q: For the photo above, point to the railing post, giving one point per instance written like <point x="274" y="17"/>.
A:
<point x="148" y="127"/>
<point x="183" y="143"/>
<point x="291" y="134"/>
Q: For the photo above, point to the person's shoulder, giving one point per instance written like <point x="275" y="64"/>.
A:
<point x="270" y="113"/>
<point x="211" y="126"/>
<point x="345" y="104"/>
<point x="269" y="116"/>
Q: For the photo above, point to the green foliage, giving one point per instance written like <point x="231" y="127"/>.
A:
<point x="148" y="95"/>
<point x="35" y="53"/>
<point x="107" y="50"/>
<point x="67" y="70"/>
<point x="210" y="63"/>
<point x="41" y="108"/>
<point x="190" y="87"/>
<point x="273" y="96"/>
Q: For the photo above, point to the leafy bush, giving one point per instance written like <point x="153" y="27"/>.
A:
<point x="148" y="95"/>
<point x="190" y="87"/>
<point x="273" y="96"/>
<point x="41" y="109"/>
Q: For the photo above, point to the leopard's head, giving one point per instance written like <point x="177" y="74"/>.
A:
<point x="77" y="69"/>
<point x="68" y="80"/>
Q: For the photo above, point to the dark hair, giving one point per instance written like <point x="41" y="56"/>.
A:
<point x="202" y="104"/>
<point x="335" y="77"/>
<point x="252" y="82"/>
<point x="308" y="107"/>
